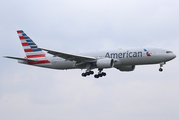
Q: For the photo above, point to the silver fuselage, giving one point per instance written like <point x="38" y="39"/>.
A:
<point x="122" y="57"/>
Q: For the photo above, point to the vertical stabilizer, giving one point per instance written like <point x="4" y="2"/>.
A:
<point x="30" y="48"/>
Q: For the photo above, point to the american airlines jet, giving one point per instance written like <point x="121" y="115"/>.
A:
<point x="122" y="59"/>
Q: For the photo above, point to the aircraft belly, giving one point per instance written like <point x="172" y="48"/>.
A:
<point x="139" y="61"/>
<point x="63" y="64"/>
<point x="46" y="65"/>
<point x="131" y="61"/>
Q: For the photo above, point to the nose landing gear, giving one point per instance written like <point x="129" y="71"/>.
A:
<point x="161" y="65"/>
<point x="160" y="69"/>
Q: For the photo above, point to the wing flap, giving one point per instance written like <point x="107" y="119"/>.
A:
<point x="71" y="57"/>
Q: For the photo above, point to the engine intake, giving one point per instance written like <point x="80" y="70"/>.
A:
<point x="105" y="63"/>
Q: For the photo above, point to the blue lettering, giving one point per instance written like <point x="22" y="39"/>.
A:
<point x="139" y="54"/>
<point x="130" y="54"/>
<point x="107" y="55"/>
<point x="113" y="55"/>
<point x="120" y="55"/>
<point x="124" y="55"/>
<point x="135" y="54"/>
<point x="127" y="54"/>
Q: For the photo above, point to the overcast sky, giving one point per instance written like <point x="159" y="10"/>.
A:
<point x="32" y="93"/>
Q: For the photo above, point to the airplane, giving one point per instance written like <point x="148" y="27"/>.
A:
<point x="121" y="59"/>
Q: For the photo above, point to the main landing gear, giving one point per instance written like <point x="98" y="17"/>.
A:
<point x="87" y="73"/>
<point x="161" y="65"/>
<point x="100" y="73"/>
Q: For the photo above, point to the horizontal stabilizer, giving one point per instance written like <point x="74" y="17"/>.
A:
<point x="19" y="58"/>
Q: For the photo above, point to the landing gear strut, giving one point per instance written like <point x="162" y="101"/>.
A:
<point x="100" y="73"/>
<point x="161" y="65"/>
<point x="88" y="71"/>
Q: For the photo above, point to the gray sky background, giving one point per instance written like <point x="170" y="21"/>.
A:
<point x="32" y="93"/>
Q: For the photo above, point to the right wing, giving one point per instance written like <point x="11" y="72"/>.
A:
<point x="19" y="58"/>
<point x="71" y="57"/>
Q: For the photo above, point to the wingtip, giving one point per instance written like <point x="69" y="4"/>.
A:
<point x="5" y="56"/>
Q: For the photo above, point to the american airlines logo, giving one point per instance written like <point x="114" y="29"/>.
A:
<point x="147" y="53"/>
<point x="123" y="55"/>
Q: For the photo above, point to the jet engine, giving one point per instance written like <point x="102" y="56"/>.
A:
<point x="127" y="68"/>
<point x="105" y="63"/>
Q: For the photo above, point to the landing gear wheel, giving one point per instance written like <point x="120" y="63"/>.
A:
<point x="96" y="76"/>
<point x="83" y="74"/>
<point x="87" y="73"/>
<point x="100" y="74"/>
<point x="91" y="72"/>
<point x="160" y="69"/>
<point x="103" y="73"/>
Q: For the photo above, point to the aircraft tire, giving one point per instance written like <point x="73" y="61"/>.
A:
<point x="91" y="72"/>
<point x="83" y="74"/>
<point x="96" y="76"/>
<point x="100" y="75"/>
<point x="160" y="69"/>
<point x="103" y="74"/>
<point x="87" y="73"/>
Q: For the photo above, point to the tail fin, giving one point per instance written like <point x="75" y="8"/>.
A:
<point x="30" y="48"/>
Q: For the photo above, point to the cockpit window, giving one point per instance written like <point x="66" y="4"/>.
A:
<point x="169" y="52"/>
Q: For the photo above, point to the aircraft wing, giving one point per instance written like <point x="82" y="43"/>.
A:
<point x="71" y="57"/>
<point x="19" y="58"/>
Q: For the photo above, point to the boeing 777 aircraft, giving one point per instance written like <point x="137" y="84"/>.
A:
<point x="122" y="59"/>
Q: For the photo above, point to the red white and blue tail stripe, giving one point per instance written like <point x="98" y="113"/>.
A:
<point x="30" y="48"/>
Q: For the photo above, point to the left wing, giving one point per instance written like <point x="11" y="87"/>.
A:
<point x="71" y="57"/>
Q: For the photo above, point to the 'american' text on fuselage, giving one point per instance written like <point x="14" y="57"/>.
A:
<point x="123" y="55"/>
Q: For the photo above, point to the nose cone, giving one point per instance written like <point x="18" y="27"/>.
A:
<point x="172" y="56"/>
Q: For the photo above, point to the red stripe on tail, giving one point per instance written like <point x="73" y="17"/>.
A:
<point x="28" y="50"/>
<point x="21" y="38"/>
<point x="25" y="44"/>
<point x="18" y="32"/>
<point x="35" y="56"/>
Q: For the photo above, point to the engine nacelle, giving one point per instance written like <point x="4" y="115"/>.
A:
<point x="127" y="68"/>
<point x="105" y="63"/>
